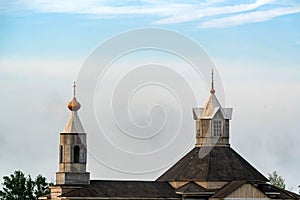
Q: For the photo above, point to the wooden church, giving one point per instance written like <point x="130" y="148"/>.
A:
<point x="212" y="170"/>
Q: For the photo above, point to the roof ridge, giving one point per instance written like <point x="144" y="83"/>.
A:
<point x="188" y="186"/>
<point x="235" y="185"/>
<point x="289" y="193"/>
<point x="146" y="181"/>
<point x="125" y="189"/>
<point x="248" y="165"/>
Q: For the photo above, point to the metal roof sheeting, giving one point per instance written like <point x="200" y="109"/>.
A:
<point x="73" y="125"/>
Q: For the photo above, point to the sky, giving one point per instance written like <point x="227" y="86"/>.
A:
<point x="254" y="45"/>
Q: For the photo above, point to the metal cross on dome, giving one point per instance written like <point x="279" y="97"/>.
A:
<point x="74" y="88"/>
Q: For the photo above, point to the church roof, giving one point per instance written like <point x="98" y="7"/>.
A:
<point x="229" y="188"/>
<point x="220" y="164"/>
<point x="102" y="189"/>
<point x="211" y="107"/>
<point x="73" y="125"/>
<point x="270" y="191"/>
<point x="193" y="188"/>
<point x="202" y="164"/>
<point x="274" y="192"/>
<point x="125" y="189"/>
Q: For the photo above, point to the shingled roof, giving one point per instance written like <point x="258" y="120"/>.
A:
<point x="193" y="189"/>
<point x="274" y="192"/>
<point x="125" y="189"/>
<point x="229" y="188"/>
<point x="220" y="164"/>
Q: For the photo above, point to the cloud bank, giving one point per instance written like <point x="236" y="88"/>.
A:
<point x="205" y="14"/>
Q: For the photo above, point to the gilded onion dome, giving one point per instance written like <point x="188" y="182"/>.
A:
<point x="74" y="105"/>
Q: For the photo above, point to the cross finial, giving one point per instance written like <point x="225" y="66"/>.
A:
<point x="74" y="105"/>
<point x="74" y="89"/>
<point x="212" y="90"/>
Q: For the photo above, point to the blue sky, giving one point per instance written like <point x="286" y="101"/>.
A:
<point x="255" y="46"/>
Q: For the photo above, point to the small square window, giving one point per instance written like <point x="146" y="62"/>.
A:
<point x="217" y="128"/>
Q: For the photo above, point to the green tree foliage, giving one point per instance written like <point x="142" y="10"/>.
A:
<point x="19" y="187"/>
<point x="277" y="180"/>
<point x="41" y="186"/>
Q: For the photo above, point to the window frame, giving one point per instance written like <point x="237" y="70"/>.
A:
<point x="217" y="128"/>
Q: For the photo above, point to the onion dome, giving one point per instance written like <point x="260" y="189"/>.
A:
<point x="74" y="105"/>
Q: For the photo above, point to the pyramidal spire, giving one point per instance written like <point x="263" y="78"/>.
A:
<point x="212" y="89"/>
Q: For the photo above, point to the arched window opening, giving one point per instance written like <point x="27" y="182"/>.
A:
<point x="61" y="154"/>
<point x="76" y="154"/>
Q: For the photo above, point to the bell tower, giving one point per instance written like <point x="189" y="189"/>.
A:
<point x="73" y="149"/>
<point x="212" y="121"/>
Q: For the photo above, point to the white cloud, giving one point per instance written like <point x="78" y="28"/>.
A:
<point x="197" y="13"/>
<point x="251" y="17"/>
<point x="219" y="12"/>
<point x="29" y="67"/>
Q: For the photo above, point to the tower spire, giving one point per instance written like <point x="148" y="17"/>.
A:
<point x="74" y="89"/>
<point x="212" y="121"/>
<point x="212" y="90"/>
<point x="72" y="151"/>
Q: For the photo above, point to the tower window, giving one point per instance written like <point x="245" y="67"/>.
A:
<point x="61" y="154"/>
<point x="76" y="154"/>
<point x="226" y="128"/>
<point x="217" y="128"/>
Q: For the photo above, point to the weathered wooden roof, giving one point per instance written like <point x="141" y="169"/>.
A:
<point x="274" y="192"/>
<point x="101" y="189"/>
<point x="125" y="189"/>
<point x="211" y="107"/>
<point x="73" y="125"/>
<point x="220" y="164"/>
<point x="191" y="187"/>
<point x="228" y="188"/>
